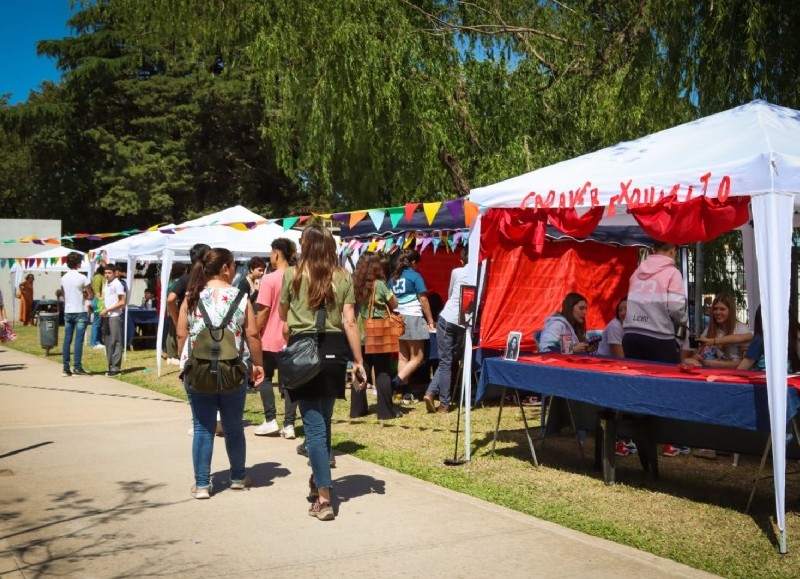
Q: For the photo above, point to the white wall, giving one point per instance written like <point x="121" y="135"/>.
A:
<point x="44" y="284"/>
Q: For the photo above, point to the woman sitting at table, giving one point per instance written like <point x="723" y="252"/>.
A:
<point x="611" y="340"/>
<point x="568" y="324"/>
<point x="725" y="338"/>
<point x="754" y="358"/>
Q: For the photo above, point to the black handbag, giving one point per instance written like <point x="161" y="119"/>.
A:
<point x="300" y="362"/>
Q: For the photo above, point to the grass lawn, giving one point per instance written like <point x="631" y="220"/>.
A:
<point x="693" y="514"/>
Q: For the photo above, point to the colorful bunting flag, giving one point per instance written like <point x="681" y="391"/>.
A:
<point x="431" y="209"/>
<point x="395" y="215"/>
<point x="409" y="210"/>
<point x="356" y="217"/>
<point x="377" y="216"/>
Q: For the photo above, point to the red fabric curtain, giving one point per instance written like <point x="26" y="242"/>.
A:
<point x="527" y="227"/>
<point x="699" y="219"/>
<point x="522" y="290"/>
<point x="435" y="269"/>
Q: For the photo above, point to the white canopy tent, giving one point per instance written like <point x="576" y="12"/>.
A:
<point x="757" y="147"/>
<point x="173" y="242"/>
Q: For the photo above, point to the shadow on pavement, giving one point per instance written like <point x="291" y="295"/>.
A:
<point x="71" y="534"/>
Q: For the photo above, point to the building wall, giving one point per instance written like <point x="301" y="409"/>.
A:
<point x="44" y="284"/>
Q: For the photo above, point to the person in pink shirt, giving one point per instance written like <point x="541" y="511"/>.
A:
<point x="656" y="308"/>
<point x="270" y="327"/>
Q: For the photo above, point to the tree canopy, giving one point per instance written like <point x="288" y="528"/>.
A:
<point x="170" y="108"/>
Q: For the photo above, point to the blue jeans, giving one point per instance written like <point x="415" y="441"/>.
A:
<point x="96" y="336"/>
<point x="204" y="419"/>
<point x="449" y="342"/>
<point x="316" y="416"/>
<point x="74" y="323"/>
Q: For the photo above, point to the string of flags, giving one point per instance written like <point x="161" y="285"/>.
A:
<point x="420" y="240"/>
<point x="462" y="210"/>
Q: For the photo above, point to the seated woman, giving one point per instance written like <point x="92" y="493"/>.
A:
<point x="724" y="339"/>
<point x="754" y="358"/>
<point x="569" y="323"/>
<point x="611" y="341"/>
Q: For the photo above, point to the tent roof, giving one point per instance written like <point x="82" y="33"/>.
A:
<point x="58" y="253"/>
<point x="150" y="244"/>
<point x="756" y="145"/>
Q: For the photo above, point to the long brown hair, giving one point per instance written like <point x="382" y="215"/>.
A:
<point x="567" y="307"/>
<point x="406" y="258"/>
<point x="729" y="326"/>
<point x="318" y="263"/>
<point x="365" y="276"/>
<point x="210" y="265"/>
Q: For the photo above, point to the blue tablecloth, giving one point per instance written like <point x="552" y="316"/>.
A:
<point x="138" y="316"/>
<point x="720" y="403"/>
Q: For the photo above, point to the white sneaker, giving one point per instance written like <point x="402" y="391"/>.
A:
<point x="288" y="432"/>
<point x="173" y="362"/>
<point x="266" y="428"/>
<point x="98" y="347"/>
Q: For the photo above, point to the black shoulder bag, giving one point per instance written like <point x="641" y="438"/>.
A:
<point x="300" y="362"/>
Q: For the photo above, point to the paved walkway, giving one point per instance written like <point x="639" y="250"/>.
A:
<point x="95" y="477"/>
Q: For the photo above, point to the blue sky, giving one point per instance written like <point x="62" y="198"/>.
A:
<point x="26" y="23"/>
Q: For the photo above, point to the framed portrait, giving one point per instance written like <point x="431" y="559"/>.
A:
<point x="512" y="345"/>
<point x="466" y="313"/>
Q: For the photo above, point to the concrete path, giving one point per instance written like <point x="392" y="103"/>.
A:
<point x="95" y="477"/>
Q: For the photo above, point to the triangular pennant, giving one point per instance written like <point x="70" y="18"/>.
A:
<point x="372" y="245"/>
<point x="471" y="211"/>
<point x="303" y="219"/>
<point x="238" y="226"/>
<point x="409" y="210"/>
<point x="355" y="217"/>
<point x="425" y="243"/>
<point x="456" y="209"/>
<point x="377" y="216"/>
<point x="380" y="245"/>
<point x="436" y="242"/>
<point x="431" y="209"/>
<point x="387" y="247"/>
<point x="452" y="242"/>
<point x="288" y="222"/>
<point x="456" y="238"/>
<point x="409" y="240"/>
<point x="395" y="215"/>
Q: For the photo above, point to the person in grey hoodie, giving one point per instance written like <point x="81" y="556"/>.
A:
<point x="571" y="322"/>
<point x="656" y="307"/>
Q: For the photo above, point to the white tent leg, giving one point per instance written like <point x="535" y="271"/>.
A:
<point x="772" y="217"/>
<point x="166" y="266"/>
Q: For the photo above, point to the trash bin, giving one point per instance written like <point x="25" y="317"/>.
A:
<point x="48" y="330"/>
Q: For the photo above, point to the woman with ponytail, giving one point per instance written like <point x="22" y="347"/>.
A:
<point x="210" y="283"/>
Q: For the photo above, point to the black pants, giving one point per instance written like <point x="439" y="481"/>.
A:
<point x="641" y="347"/>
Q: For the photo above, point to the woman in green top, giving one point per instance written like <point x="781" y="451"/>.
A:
<point x="370" y="280"/>
<point x="318" y="282"/>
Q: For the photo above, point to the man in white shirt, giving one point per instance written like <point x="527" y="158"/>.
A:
<point x="449" y="342"/>
<point x="77" y="289"/>
<point x="114" y="298"/>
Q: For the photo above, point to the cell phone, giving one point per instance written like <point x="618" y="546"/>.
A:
<point x="360" y="377"/>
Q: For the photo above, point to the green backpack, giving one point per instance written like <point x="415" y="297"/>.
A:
<point x="215" y="363"/>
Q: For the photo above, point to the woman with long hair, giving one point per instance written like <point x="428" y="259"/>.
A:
<point x="753" y="359"/>
<point x="317" y="287"/>
<point x="210" y="283"/>
<point x="570" y="322"/>
<point x="25" y="295"/>
<point x="370" y="286"/>
<point x="412" y="303"/>
<point x="611" y="340"/>
<point x="725" y="338"/>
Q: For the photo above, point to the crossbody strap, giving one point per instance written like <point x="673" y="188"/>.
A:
<point x="322" y="313"/>
<point x="371" y="308"/>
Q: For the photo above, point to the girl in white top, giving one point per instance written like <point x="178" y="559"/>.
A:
<point x="725" y="339"/>
<point x="611" y="341"/>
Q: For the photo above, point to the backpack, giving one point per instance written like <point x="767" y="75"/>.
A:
<point x="215" y="363"/>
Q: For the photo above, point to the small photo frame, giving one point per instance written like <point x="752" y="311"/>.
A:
<point x="512" y="345"/>
<point x="466" y="313"/>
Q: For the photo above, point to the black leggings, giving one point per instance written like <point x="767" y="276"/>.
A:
<point x="641" y="347"/>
